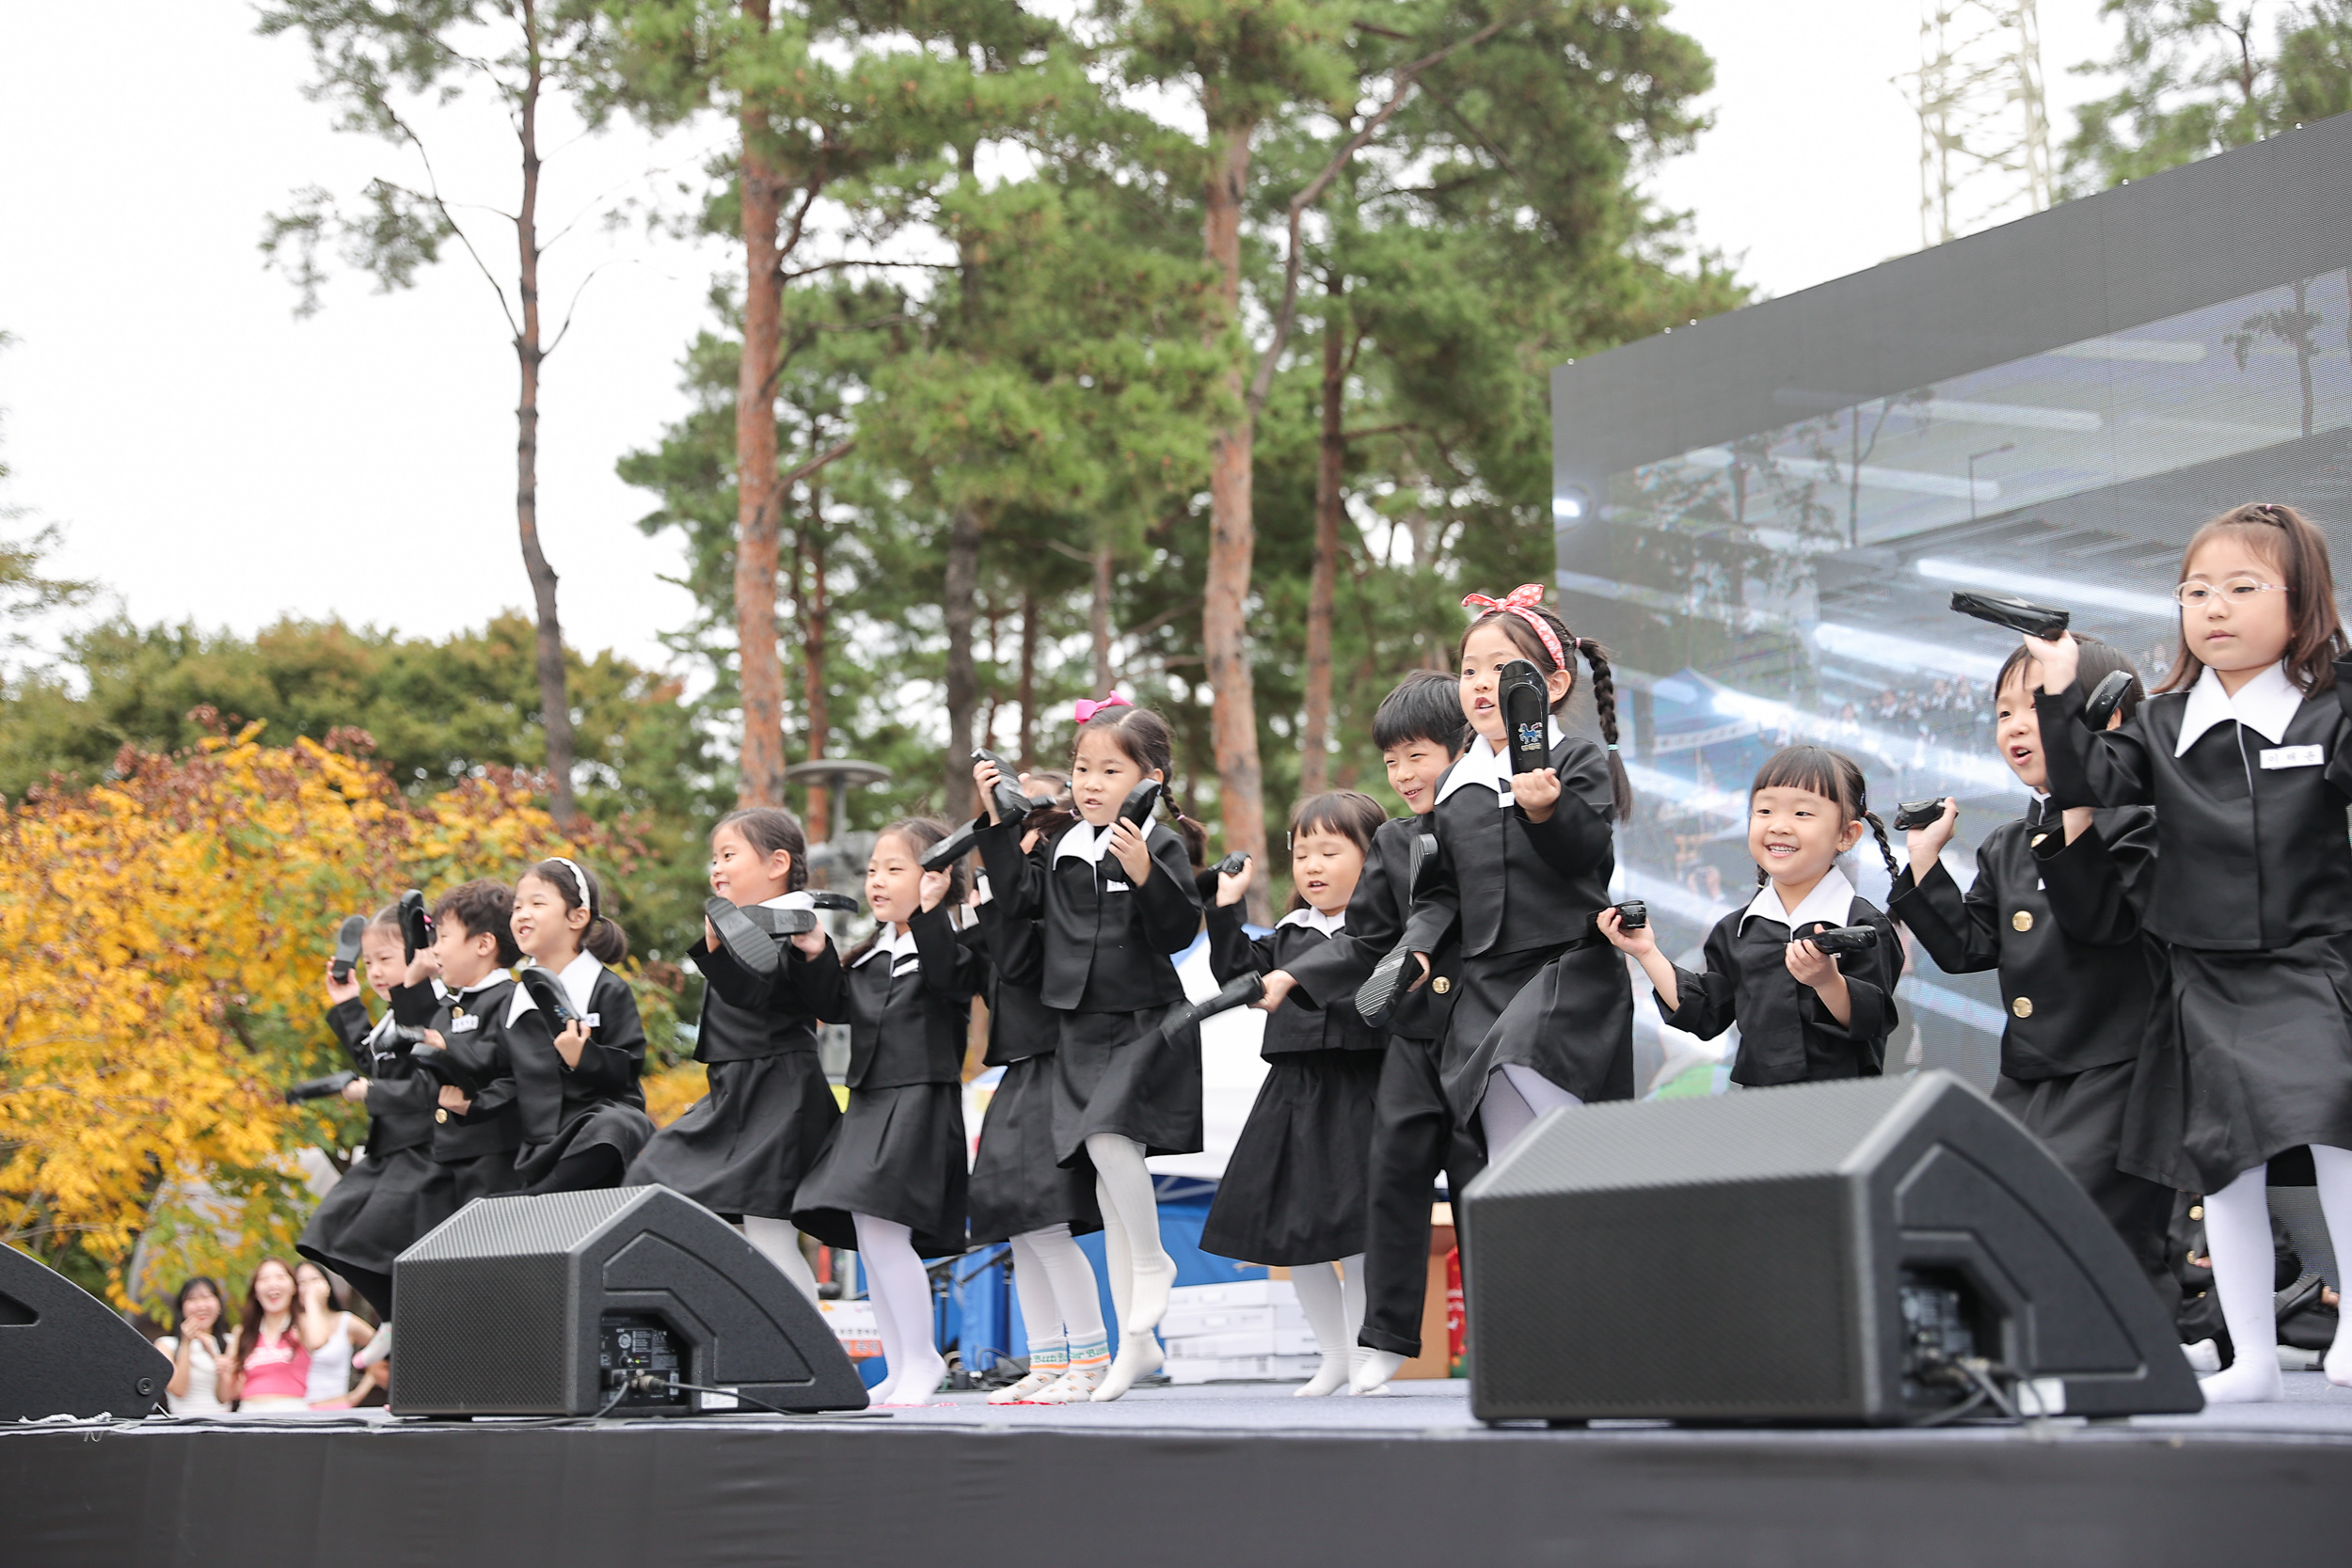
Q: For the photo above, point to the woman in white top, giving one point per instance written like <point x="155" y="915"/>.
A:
<point x="333" y="1336"/>
<point x="197" y="1350"/>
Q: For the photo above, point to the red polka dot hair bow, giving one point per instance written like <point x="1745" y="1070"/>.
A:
<point x="1522" y="602"/>
<point x="1086" y="707"/>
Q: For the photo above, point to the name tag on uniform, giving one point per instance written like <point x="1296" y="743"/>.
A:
<point x="2292" y="756"/>
<point x="592" y="1019"/>
<point x="1123" y="887"/>
<point x="463" y="1023"/>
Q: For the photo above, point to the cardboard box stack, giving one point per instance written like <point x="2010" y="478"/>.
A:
<point x="1247" y="1329"/>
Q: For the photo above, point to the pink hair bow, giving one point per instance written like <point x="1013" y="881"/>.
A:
<point x="1088" y="707"/>
<point x="1522" y="602"/>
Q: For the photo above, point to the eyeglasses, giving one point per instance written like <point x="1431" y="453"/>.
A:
<point x="2196" y="596"/>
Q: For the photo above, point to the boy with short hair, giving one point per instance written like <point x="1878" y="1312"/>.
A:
<point x="1420" y="730"/>
<point x="477" y="1029"/>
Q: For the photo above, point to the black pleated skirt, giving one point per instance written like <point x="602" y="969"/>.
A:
<point x="898" y="1155"/>
<point x="1018" y="1183"/>
<point x="743" y="1147"/>
<point x="1294" y="1191"/>
<point x="621" y="1128"/>
<point x="2252" y="1058"/>
<point x="1567" y="1014"/>
<point x="1121" y="1073"/>
<point x="374" y="1213"/>
<point x="2079" y="1118"/>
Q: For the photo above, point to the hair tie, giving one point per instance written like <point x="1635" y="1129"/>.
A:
<point x="580" y="883"/>
<point x="1086" y="708"/>
<point x="1522" y="602"/>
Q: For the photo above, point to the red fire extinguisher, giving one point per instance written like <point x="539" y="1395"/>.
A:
<point x="1454" y="1314"/>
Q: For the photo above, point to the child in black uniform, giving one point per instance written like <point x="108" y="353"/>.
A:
<point x="2247" y="757"/>
<point x="1420" y="730"/>
<point x="584" y="1114"/>
<point x="1114" y="902"/>
<point x="741" y="1149"/>
<point x="1803" y="1015"/>
<point x="1543" y="1013"/>
<point x="2053" y="908"/>
<point x="371" y="1215"/>
<point x="1020" y="1194"/>
<point x="892" y="1182"/>
<point x="477" y="1034"/>
<point x="1292" y="1194"/>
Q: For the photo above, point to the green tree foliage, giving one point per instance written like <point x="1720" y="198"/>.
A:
<point x="2200" y="76"/>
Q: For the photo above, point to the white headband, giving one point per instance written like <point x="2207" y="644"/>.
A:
<point x="579" y="883"/>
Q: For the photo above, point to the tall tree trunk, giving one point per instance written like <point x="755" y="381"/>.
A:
<point x="816" y="624"/>
<point x="759" y="672"/>
<point x="1315" y="756"/>
<point x="963" y="687"/>
<point x="1029" y="681"/>
<point x="1099" y="619"/>
<point x="555" y="704"/>
<point x="1224" y="615"/>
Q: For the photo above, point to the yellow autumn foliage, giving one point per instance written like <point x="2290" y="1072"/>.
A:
<point x="162" y="945"/>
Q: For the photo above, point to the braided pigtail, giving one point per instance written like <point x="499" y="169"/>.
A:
<point x="1195" y="836"/>
<point x="1605" y="707"/>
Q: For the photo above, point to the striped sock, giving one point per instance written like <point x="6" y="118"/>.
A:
<point x="1049" y="1354"/>
<point x="1090" y="1354"/>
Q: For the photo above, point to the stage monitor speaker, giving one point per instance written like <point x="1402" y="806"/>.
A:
<point x="1819" y="1253"/>
<point x="65" y="1352"/>
<point x="546" y="1305"/>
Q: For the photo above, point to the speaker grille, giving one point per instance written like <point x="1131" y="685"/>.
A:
<point x="501" y="1226"/>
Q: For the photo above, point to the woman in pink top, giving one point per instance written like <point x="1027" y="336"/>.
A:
<point x="272" y="1369"/>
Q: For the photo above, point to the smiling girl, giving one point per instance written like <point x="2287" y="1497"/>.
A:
<point x="2247" y="757"/>
<point x="1803" y="1015"/>
<point x="584" y="1114"/>
<point x="1294" y="1191"/>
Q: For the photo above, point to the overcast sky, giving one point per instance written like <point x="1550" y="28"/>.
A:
<point x="213" y="458"/>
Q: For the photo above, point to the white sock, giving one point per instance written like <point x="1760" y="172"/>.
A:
<point x="1118" y="1258"/>
<point x="1125" y="1182"/>
<point x="1039" y="1315"/>
<point x="1516" y="1098"/>
<point x="1076" y="1296"/>
<point x="781" y="1243"/>
<point x="1374" y="1371"/>
<point x="1321" y="1297"/>
<point x="902" y="1293"/>
<point x="2334" y="1171"/>
<point x="2237" y="1233"/>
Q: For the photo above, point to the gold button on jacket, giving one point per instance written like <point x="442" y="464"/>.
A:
<point x="2023" y="1006"/>
<point x="440" y="1115"/>
<point x="2022" y="920"/>
<point x="1441" y="985"/>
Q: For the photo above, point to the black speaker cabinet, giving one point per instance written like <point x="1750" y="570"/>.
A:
<point x="537" y="1305"/>
<point x="65" y="1352"/>
<point x="1812" y="1254"/>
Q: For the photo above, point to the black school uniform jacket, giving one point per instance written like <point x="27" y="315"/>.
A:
<point x="909" y="1005"/>
<point x="1106" y="943"/>
<point x="1376" y="923"/>
<point x="748" y="1016"/>
<point x="399" y="1101"/>
<point x="1786" y="1036"/>
<point x="2250" y="817"/>
<point x="486" y="1050"/>
<point x="1020" y="1024"/>
<point x="1300" y="1024"/>
<point x="2059" y="922"/>
<point x="550" y="1094"/>
<point x="1508" y="884"/>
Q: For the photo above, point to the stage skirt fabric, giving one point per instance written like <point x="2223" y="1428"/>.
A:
<point x="1120" y="1073"/>
<point x="1566" y="1012"/>
<point x="376" y="1211"/>
<point x="2252" y="1058"/>
<point x="1295" y="1190"/>
<point x="623" y="1128"/>
<point x="1018" y="1183"/>
<point x="743" y="1147"/>
<point x="898" y="1155"/>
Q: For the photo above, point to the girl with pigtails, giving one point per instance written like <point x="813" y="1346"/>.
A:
<point x="1543" y="1013"/>
<point x="1113" y="900"/>
<point x="1803" y="1015"/>
<point x="2246" y="754"/>
<point x="584" y="1114"/>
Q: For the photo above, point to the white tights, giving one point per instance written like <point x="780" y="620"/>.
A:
<point x="781" y="1244"/>
<point x="1055" y="1283"/>
<point x="2237" y="1233"/>
<point x="1141" y="1269"/>
<point x="1516" y="1099"/>
<point x="1332" y="1296"/>
<point x="901" y="1294"/>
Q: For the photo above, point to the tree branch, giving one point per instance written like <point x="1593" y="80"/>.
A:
<point x="1287" y="318"/>
<point x="433" y="193"/>
<point x="843" y="449"/>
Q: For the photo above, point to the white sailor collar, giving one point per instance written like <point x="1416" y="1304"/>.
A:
<point x="1483" y="763"/>
<point x="493" y="978"/>
<point x="898" y="944"/>
<point x="1316" y="920"/>
<point x="580" y="980"/>
<point x="795" y="900"/>
<point x="1830" y="902"/>
<point x="2266" y="704"/>
<point x="1083" y="841"/>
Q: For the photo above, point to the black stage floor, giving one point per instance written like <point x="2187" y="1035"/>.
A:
<point x="1190" y="1477"/>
